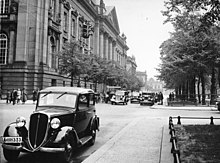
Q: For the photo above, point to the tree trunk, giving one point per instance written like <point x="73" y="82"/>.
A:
<point x="219" y="76"/>
<point x="78" y="82"/>
<point x="203" y="88"/>
<point x="71" y="84"/>
<point x="85" y="82"/>
<point x="213" y="87"/>
<point x="198" y="90"/>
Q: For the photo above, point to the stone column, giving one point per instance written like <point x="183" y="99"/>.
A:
<point x="101" y="45"/>
<point x="45" y="36"/>
<point x="110" y="49"/>
<point x="113" y="50"/>
<point x="11" y="45"/>
<point x="106" y="46"/>
<point x="96" y="39"/>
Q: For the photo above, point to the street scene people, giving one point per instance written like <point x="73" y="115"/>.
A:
<point x="18" y="96"/>
<point x="8" y="96"/>
<point x="35" y="93"/>
<point x="160" y="98"/>
<point x="14" y="96"/>
<point x="23" y="96"/>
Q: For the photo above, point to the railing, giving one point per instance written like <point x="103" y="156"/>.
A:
<point x="174" y="150"/>
<point x="173" y="140"/>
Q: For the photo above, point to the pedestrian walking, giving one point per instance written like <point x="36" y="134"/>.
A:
<point x="160" y="98"/>
<point x="23" y="96"/>
<point x="14" y="96"/>
<point x="8" y="97"/>
<point x="35" y="93"/>
<point x="18" y="96"/>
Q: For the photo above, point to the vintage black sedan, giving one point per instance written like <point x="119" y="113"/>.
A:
<point x="64" y="119"/>
<point x="148" y="98"/>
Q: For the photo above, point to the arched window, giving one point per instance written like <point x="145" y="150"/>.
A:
<point x="52" y="52"/>
<point x="4" y="6"/>
<point x="3" y="49"/>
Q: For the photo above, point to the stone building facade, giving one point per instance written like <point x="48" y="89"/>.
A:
<point x="31" y="31"/>
<point x="142" y="76"/>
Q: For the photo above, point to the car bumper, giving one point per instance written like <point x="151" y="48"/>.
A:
<point x="41" y="149"/>
<point x="146" y="102"/>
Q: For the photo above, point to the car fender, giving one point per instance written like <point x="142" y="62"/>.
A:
<point x="94" y="122"/>
<point x="66" y="132"/>
<point x="13" y="131"/>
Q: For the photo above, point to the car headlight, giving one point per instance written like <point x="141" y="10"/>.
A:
<point x="20" y="121"/>
<point x="55" y="123"/>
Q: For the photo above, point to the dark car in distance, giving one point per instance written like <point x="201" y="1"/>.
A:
<point x="147" y="98"/>
<point x="135" y="97"/>
<point x="64" y="119"/>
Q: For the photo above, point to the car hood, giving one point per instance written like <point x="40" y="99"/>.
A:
<point x="55" y="111"/>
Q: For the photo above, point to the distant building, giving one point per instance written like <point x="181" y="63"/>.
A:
<point x="131" y="65"/>
<point x="142" y="76"/>
<point x="155" y="85"/>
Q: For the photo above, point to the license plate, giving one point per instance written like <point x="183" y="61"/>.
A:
<point x="11" y="139"/>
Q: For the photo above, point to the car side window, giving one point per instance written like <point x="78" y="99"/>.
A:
<point x="83" y="100"/>
<point x="91" y="99"/>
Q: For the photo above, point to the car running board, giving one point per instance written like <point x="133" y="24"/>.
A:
<point x="84" y="140"/>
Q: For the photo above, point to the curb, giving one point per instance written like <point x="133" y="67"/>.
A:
<point x="166" y="146"/>
<point x="101" y="151"/>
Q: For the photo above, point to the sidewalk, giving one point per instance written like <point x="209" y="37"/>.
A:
<point x="189" y="107"/>
<point x="27" y="102"/>
<point x="140" y="141"/>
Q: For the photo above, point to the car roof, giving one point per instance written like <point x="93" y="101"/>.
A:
<point x="74" y="90"/>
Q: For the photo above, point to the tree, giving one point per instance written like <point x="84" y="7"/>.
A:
<point x="193" y="48"/>
<point x="72" y="62"/>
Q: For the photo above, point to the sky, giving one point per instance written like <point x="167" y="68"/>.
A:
<point x="142" y="23"/>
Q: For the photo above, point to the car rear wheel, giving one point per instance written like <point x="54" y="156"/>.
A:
<point x="10" y="155"/>
<point x="93" y="134"/>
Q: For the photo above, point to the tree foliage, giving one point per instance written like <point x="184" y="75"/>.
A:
<point x="192" y="51"/>
<point x="93" y="68"/>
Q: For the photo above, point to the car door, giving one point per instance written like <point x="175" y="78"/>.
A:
<point x="84" y="112"/>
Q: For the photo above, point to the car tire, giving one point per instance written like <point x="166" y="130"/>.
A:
<point x="10" y="155"/>
<point x="93" y="134"/>
<point x="70" y="147"/>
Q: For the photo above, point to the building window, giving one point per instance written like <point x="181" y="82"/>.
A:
<point x="52" y="51"/>
<point x="3" y="48"/>
<point x="4" y="6"/>
<point x="73" y="27"/>
<point x="53" y="82"/>
<point x="65" y="22"/>
<point x="53" y="7"/>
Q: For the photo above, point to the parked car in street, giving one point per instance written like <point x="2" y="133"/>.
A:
<point x="147" y="98"/>
<point x="120" y="97"/>
<point x="135" y="97"/>
<point x="64" y="120"/>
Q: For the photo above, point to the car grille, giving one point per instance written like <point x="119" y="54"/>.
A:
<point x="37" y="129"/>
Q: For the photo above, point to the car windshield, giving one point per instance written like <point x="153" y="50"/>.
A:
<point x="57" y="99"/>
<point x="119" y="93"/>
<point x="147" y="94"/>
<point x="135" y="94"/>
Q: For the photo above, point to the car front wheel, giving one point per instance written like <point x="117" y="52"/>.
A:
<point x="70" y="147"/>
<point x="10" y="155"/>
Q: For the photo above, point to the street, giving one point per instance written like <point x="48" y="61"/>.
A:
<point x="113" y="119"/>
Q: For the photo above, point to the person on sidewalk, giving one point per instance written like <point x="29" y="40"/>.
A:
<point x="161" y="98"/>
<point x="35" y="93"/>
<point x="8" y="97"/>
<point x="14" y="96"/>
<point x="18" y="96"/>
<point x="23" y="96"/>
